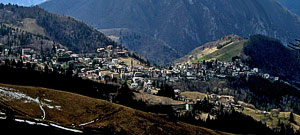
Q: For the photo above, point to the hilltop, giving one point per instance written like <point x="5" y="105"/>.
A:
<point x="184" y="24"/>
<point x="69" y="32"/>
<point x="91" y="115"/>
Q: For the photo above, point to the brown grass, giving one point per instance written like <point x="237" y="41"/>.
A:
<point x="30" y="25"/>
<point x="155" y="100"/>
<point x="77" y="109"/>
<point x="272" y="120"/>
<point x="193" y="95"/>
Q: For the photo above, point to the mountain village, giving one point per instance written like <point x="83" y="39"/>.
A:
<point x="114" y="65"/>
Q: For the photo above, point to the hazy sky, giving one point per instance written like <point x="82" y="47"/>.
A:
<point x="23" y="2"/>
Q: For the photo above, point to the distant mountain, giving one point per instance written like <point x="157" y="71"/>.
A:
<point x="293" y="5"/>
<point x="23" y="2"/>
<point x="156" y="50"/>
<point x="185" y="24"/>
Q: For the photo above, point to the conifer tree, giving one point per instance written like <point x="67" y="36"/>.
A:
<point x="125" y="95"/>
<point x="292" y="119"/>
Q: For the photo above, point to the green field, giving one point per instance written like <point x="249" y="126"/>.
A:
<point x="226" y="53"/>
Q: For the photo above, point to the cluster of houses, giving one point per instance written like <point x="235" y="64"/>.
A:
<point x="208" y="69"/>
<point x="111" y="63"/>
<point x="105" y="64"/>
<point x="202" y="71"/>
<point x="219" y="102"/>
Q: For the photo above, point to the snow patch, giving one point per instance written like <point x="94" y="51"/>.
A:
<point x="58" y="107"/>
<point x="64" y="128"/>
<point x="48" y="100"/>
<point x="51" y="124"/>
<point x="50" y="107"/>
<point x="2" y="113"/>
<point x="41" y="107"/>
<point x="19" y="120"/>
<point x="30" y="122"/>
<point x="26" y="121"/>
<point x="83" y="124"/>
<point x="42" y="124"/>
<point x="9" y="94"/>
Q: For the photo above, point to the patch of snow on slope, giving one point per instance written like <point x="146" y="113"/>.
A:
<point x="44" y="113"/>
<point x="83" y="124"/>
<point x="10" y="94"/>
<point x="48" y="100"/>
<point x="64" y="128"/>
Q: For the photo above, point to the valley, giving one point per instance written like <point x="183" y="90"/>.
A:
<point x="150" y="67"/>
<point x="183" y="24"/>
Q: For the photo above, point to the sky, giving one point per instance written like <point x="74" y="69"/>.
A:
<point x="23" y="2"/>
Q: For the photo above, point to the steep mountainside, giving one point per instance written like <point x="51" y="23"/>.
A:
<point x="92" y="116"/>
<point x="156" y="50"/>
<point x="15" y="37"/>
<point x="75" y="35"/>
<point x="293" y="5"/>
<point x="185" y="24"/>
<point x="272" y="57"/>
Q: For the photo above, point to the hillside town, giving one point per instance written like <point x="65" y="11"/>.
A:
<point x="116" y="64"/>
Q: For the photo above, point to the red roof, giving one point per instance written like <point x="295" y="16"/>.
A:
<point x="190" y="103"/>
